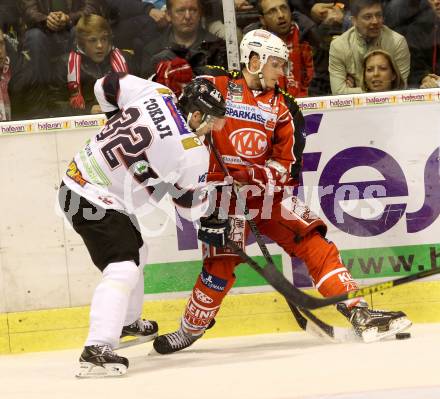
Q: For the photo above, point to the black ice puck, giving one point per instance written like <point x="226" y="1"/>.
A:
<point x="403" y="335"/>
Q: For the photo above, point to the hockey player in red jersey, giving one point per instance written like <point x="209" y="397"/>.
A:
<point x="122" y="172"/>
<point x="261" y="144"/>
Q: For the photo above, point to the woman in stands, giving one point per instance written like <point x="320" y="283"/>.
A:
<point x="380" y="72"/>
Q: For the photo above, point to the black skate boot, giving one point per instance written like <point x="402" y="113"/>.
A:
<point x="176" y="341"/>
<point x="142" y="330"/>
<point x="101" y="361"/>
<point x="374" y="325"/>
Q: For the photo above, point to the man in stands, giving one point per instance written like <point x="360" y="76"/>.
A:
<point x="276" y="17"/>
<point x="49" y="25"/>
<point x="347" y="51"/>
<point x="185" y="45"/>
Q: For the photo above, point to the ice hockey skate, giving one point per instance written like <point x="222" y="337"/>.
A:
<point x="176" y="341"/>
<point x="100" y="361"/>
<point x="137" y="333"/>
<point x="374" y="325"/>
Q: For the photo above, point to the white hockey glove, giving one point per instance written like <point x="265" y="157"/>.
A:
<point x="214" y="231"/>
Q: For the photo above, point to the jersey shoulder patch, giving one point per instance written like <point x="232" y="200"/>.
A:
<point x="191" y="142"/>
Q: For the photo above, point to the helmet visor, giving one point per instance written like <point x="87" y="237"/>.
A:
<point x="277" y="64"/>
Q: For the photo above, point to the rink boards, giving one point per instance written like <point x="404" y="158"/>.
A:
<point x="371" y="171"/>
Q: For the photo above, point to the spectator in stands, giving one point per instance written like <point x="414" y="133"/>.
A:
<point x="327" y="12"/>
<point x="133" y="22"/>
<point x="331" y="19"/>
<point x="400" y="14"/>
<point x="19" y="94"/>
<point x="380" y="73"/>
<point x="9" y="15"/>
<point x="276" y="17"/>
<point x="423" y="37"/>
<point x="49" y="26"/>
<point x="368" y="33"/>
<point x="93" y="57"/>
<point x="184" y="40"/>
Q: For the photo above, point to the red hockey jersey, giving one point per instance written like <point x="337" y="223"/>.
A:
<point x="258" y="127"/>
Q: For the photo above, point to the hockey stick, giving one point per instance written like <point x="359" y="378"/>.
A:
<point x="294" y="295"/>
<point x="300" y="299"/>
<point x="310" y="323"/>
<point x="305" y="301"/>
<point x="320" y="326"/>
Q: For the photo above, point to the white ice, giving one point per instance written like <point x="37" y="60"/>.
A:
<point x="277" y="366"/>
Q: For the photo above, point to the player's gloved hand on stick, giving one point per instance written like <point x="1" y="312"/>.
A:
<point x="213" y="230"/>
<point x="265" y="177"/>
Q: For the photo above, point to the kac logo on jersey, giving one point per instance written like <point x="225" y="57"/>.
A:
<point x="249" y="143"/>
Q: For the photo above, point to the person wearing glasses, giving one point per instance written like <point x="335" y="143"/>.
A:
<point x="368" y="33"/>
<point x="276" y="17"/>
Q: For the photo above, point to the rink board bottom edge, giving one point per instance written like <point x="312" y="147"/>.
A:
<point x="244" y="314"/>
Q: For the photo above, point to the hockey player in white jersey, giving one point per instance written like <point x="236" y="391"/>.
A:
<point x="148" y="148"/>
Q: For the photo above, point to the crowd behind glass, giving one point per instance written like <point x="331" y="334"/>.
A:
<point x="52" y="51"/>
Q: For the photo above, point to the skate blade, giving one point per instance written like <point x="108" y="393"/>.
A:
<point x="128" y="341"/>
<point x="396" y="326"/>
<point x="90" y="370"/>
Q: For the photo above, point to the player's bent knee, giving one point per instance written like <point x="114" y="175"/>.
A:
<point x="121" y="275"/>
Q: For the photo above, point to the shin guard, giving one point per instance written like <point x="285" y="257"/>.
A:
<point x="110" y="302"/>
<point x="206" y="297"/>
<point x="136" y="300"/>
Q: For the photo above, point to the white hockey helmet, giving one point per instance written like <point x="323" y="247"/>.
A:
<point x="263" y="43"/>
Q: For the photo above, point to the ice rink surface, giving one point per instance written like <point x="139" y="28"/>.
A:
<point x="279" y="366"/>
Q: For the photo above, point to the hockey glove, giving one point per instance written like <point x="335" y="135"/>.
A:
<point x="214" y="231"/>
<point x="174" y="74"/>
<point x="266" y="178"/>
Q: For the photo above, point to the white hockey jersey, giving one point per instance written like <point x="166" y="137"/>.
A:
<point x="144" y="152"/>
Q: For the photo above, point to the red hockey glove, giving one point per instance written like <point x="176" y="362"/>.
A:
<point x="265" y="177"/>
<point x="175" y="74"/>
